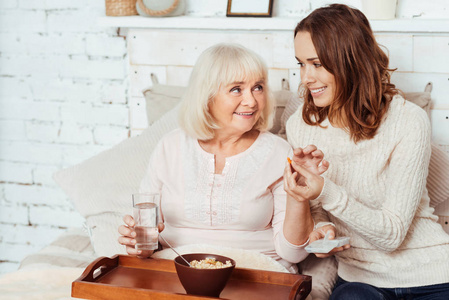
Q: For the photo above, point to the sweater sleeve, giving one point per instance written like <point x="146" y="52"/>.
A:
<point x="386" y="227"/>
<point x="319" y="215"/>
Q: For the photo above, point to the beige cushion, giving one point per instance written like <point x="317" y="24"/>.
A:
<point x="291" y="106"/>
<point x="159" y="99"/>
<point x="438" y="178"/>
<point x="281" y="97"/>
<point x="422" y="99"/>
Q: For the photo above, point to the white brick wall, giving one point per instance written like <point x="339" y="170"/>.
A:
<point x="63" y="87"/>
<point x="64" y="97"/>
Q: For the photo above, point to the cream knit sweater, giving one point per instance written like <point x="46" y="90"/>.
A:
<point x="375" y="193"/>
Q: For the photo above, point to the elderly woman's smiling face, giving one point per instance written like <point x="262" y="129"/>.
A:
<point x="237" y="106"/>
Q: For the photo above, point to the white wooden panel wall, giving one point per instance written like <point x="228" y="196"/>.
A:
<point x="400" y="50"/>
<point x="170" y="54"/>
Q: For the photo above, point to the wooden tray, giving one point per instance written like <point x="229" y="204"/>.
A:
<point x="126" y="277"/>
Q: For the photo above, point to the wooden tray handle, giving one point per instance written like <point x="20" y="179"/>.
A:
<point x="301" y="289"/>
<point x="98" y="268"/>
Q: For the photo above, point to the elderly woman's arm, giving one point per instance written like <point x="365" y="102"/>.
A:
<point x="291" y="225"/>
<point x="293" y="220"/>
<point x="301" y="215"/>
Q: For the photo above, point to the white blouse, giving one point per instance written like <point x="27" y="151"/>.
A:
<point x="244" y="207"/>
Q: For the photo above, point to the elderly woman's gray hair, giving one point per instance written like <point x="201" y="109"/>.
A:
<point x="221" y="65"/>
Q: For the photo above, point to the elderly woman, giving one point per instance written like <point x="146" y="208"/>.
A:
<point x="220" y="175"/>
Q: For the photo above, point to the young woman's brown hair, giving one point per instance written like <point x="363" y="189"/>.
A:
<point x="347" y="48"/>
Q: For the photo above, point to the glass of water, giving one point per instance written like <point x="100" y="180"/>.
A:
<point x="146" y="212"/>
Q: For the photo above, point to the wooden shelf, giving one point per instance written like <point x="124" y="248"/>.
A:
<point x="432" y="26"/>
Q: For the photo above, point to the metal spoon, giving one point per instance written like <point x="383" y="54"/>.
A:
<point x="175" y="250"/>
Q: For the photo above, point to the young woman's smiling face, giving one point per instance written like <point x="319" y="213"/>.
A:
<point x="318" y="80"/>
<point x="237" y="106"/>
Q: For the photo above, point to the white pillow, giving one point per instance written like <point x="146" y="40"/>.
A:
<point x="103" y="233"/>
<point x="105" y="182"/>
<point x="101" y="187"/>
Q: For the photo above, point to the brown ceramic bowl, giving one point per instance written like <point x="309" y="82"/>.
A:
<point x="204" y="282"/>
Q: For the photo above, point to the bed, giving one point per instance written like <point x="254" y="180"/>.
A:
<point x="100" y="189"/>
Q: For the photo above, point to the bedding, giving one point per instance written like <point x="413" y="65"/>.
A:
<point x="39" y="284"/>
<point x="100" y="189"/>
<point x="48" y="274"/>
<point x="71" y="249"/>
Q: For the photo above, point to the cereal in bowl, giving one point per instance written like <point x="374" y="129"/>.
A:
<point x="209" y="263"/>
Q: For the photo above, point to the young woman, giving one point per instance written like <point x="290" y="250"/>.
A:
<point x="378" y="147"/>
